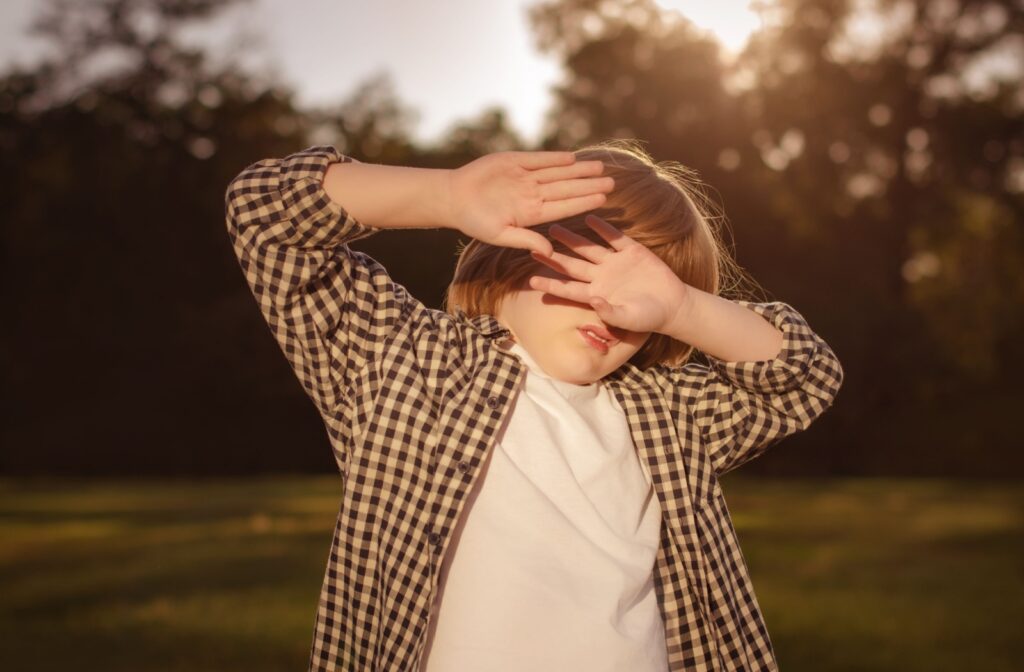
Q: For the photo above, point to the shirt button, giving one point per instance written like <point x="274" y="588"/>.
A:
<point x="463" y="467"/>
<point x="434" y="538"/>
<point x="493" y="402"/>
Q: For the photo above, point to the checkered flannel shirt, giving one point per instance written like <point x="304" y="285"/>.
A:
<point x="413" y="397"/>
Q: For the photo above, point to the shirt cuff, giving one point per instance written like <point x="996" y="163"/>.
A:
<point x="789" y="368"/>
<point x="302" y="175"/>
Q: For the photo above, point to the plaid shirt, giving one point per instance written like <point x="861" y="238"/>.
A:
<point x="413" y="398"/>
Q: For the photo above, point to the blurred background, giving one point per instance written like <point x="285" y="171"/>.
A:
<point x="167" y="491"/>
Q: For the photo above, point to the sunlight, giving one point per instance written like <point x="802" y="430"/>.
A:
<point x="731" y="21"/>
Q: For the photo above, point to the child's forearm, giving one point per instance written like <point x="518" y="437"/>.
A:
<point x="391" y="197"/>
<point x="724" y="329"/>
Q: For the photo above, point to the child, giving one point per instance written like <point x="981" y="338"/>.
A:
<point x="531" y="475"/>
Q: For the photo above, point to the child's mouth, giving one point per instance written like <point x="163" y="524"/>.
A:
<point x="593" y="340"/>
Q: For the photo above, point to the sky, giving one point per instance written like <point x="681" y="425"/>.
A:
<point x="448" y="60"/>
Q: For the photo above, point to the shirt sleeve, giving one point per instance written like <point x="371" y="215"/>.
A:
<point x="329" y="307"/>
<point x="744" y="407"/>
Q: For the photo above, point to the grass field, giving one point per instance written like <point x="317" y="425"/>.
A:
<point x="204" y="576"/>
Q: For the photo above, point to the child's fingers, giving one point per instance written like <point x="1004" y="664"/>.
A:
<point x="567" y="289"/>
<point x="582" y="246"/>
<point x="527" y="240"/>
<point x="551" y="211"/>
<point x="576" y="170"/>
<point x="555" y="191"/>
<point x="534" y="160"/>
<point x="566" y="265"/>
<point x="615" y="238"/>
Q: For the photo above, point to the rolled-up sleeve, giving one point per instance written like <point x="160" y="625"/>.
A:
<point x="744" y="407"/>
<point x="329" y="307"/>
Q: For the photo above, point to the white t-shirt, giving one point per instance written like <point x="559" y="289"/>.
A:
<point x="551" y="567"/>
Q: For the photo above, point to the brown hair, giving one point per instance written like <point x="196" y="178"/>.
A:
<point x="661" y="205"/>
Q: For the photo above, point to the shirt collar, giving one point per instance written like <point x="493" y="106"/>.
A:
<point x="488" y="325"/>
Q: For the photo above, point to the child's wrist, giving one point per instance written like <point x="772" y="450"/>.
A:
<point x="680" y="326"/>
<point x="443" y="200"/>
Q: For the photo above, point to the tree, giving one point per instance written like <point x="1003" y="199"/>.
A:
<point x="886" y="171"/>
<point x="131" y="340"/>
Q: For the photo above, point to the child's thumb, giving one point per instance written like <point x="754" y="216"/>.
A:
<point x="528" y="240"/>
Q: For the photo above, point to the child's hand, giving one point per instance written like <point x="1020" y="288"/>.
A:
<point x="628" y="286"/>
<point x="496" y="196"/>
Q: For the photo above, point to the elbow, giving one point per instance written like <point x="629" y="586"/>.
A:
<point x="820" y="389"/>
<point x="825" y="374"/>
<point x="229" y="207"/>
<point x="254" y="181"/>
<point x="232" y="201"/>
<point x="833" y="373"/>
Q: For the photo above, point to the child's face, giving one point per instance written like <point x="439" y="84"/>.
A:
<point x="547" y="326"/>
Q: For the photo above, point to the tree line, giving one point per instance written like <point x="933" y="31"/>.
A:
<point x="878" y="188"/>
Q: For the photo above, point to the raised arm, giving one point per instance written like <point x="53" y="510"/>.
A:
<point x="327" y="305"/>
<point x="744" y="405"/>
<point x="770" y="374"/>
<point x="332" y="308"/>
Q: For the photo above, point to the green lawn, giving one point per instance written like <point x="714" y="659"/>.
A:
<point x="878" y="574"/>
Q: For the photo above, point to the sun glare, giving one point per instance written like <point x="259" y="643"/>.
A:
<point x="731" y="21"/>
